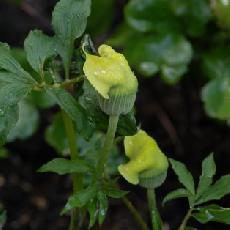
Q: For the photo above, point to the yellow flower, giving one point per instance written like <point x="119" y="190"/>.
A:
<point x="146" y="158"/>
<point x="113" y="79"/>
<point x="109" y="73"/>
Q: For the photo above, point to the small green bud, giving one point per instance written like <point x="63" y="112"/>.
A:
<point x="113" y="79"/>
<point x="147" y="165"/>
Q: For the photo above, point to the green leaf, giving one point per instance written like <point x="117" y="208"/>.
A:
<point x="167" y="53"/>
<point x="100" y="121"/>
<point x="215" y="96"/>
<point x="151" y="15"/>
<point x="215" y="192"/>
<point x="100" y="10"/>
<point x="38" y="48"/>
<point x="27" y="124"/>
<point x="178" y="193"/>
<point x="212" y="213"/>
<point x="41" y="99"/>
<point x="111" y="190"/>
<point x="93" y="212"/>
<point x="2" y="219"/>
<point x="208" y="171"/>
<point x="73" y="109"/>
<point x="192" y="14"/>
<point x="70" y="19"/>
<point x="103" y="206"/>
<point x="8" y="120"/>
<point x="80" y="199"/>
<point x="11" y="94"/>
<point x="184" y="176"/>
<point x="54" y="135"/>
<point x="10" y="65"/>
<point x="163" y="15"/>
<point x="63" y="166"/>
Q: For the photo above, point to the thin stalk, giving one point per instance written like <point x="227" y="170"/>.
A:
<point x="109" y="138"/>
<point x="135" y="213"/>
<point x="76" y="178"/>
<point x="155" y="216"/>
<point x="185" y="220"/>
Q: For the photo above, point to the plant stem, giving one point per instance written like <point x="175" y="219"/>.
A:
<point x="109" y="138"/>
<point x="185" y="220"/>
<point x="76" y="178"/>
<point x="135" y="213"/>
<point x="155" y="216"/>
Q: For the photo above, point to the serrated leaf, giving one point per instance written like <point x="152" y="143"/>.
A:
<point x="103" y="207"/>
<point x="8" y="120"/>
<point x="27" y="124"/>
<point x="38" y="48"/>
<point x="11" y="94"/>
<point x="63" y="166"/>
<point x="178" y="193"/>
<point x="70" y="19"/>
<point x="184" y="176"/>
<point x="9" y="64"/>
<point x="208" y="171"/>
<point x="75" y="111"/>
<point x="80" y="199"/>
<point x="215" y="192"/>
<point x="215" y="213"/>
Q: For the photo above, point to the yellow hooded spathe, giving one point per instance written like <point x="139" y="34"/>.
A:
<point x="146" y="158"/>
<point x="110" y="73"/>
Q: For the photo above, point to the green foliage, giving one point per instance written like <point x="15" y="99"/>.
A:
<point x="27" y="123"/>
<point x="73" y="109"/>
<point x="178" y="193"/>
<point x="2" y="218"/>
<point x="65" y="16"/>
<point x="184" y="176"/>
<point x="38" y="48"/>
<point x="212" y="213"/>
<point x="215" y="94"/>
<point x="100" y="10"/>
<point x="205" y="192"/>
<point x="167" y="53"/>
<point x="63" y="166"/>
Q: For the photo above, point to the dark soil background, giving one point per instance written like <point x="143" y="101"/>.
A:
<point x="174" y="115"/>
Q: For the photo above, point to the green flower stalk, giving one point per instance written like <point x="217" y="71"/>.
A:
<point x="147" y="162"/>
<point x="113" y="79"/>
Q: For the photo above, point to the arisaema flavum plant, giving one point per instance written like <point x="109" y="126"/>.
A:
<point x="95" y="91"/>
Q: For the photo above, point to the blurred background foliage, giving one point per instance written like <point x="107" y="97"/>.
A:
<point x="177" y="41"/>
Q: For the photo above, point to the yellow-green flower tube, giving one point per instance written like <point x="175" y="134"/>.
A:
<point x="113" y="79"/>
<point x="146" y="159"/>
